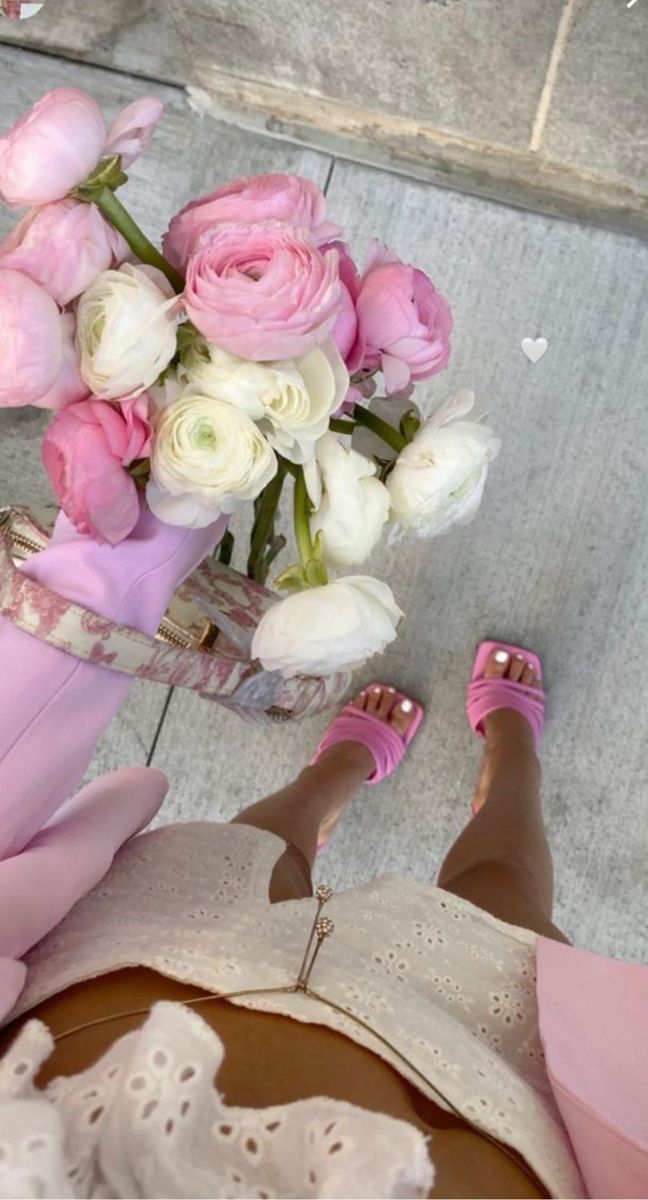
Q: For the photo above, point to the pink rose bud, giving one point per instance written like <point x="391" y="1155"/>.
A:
<point x="287" y="198"/>
<point x="85" y="450"/>
<point x="51" y="148"/>
<point x="132" y="129"/>
<point x="31" y="340"/>
<point x="263" y="291"/>
<point x="404" y="322"/>
<point x="63" y="246"/>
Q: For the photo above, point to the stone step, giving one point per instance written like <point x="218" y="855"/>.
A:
<point x="538" y="103"/>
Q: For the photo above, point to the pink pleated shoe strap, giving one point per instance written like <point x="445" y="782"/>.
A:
<point x="486" y="696"/>
<point x="386" y="745"/>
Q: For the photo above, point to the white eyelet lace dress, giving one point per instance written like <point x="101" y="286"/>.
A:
<point x="451" y="988"/>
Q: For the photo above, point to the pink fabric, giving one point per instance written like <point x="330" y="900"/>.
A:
<point x="53" y="710"/>
<point x="488" y="695"/>
<point x="594" y="1028"/>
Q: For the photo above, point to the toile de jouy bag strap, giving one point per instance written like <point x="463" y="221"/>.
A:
<point x="203" y="642"/>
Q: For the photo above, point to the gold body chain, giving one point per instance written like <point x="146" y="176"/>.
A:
<point x="322" y="928"/>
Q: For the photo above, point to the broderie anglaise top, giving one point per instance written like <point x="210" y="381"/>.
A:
<point x="450" y="987"/>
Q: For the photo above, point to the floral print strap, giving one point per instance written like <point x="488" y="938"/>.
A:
<point x="226" y="674"/>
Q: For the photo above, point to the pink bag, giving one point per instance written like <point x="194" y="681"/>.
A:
<point x="203" y="642"/>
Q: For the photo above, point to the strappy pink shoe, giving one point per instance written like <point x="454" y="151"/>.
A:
<point x="386" y="745"/>
<point x="488" y="695"/>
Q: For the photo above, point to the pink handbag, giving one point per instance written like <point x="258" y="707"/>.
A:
<point x="203" y="642"/>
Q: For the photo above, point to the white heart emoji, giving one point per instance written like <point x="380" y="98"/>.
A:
<point x="534" y="349"/>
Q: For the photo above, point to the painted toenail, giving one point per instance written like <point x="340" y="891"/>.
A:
<point x="520" y="657"/>
<point x="406" y="706"/>
<point x="377" y="691"/>
<point x="501" y="656"/>
<point x="391" y="690"/>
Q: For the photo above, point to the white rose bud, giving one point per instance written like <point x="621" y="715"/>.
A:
<point x="291" y="399"/>
<point x="126" y="330"/>
<point x="351" y="507"/>
<point x="327" y="629"/>
<point x="207" y="458"/>
<point x="439" y="478"/>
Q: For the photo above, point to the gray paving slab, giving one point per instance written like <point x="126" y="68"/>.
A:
<point x="137" y="36"/>
<point x="555" y="560"/>
<point x="536" y="102"/>
<point x="598" y="116"/>
<point x="424" y="62"/>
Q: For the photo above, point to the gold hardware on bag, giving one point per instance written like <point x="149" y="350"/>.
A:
<point x="23" y="547"/>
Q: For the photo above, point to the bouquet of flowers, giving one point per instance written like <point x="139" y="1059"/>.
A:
<point x="240" y="358"/>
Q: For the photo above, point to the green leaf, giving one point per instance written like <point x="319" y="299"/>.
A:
<point x="139" y="468"/>
<point x="108" y="173"/>
<point x="410" y="423"/>
<point x="316" y="573"/>
<point x="291" y="579"/>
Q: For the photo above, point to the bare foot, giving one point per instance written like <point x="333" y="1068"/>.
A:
<point x="380" y="702"/>
<point x="506" y="727"/>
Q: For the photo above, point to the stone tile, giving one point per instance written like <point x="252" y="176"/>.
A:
<point x="128" y="35"/>
<point x="473" y="69"/>
<point x="598" y="118"/>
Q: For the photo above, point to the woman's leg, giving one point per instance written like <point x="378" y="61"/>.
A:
<point x="308" y="809"/>
<point x="502" y="861"/>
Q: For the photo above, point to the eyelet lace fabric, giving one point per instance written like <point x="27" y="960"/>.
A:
<point x="146" y="1120"/>
<point x="447" y="985"/>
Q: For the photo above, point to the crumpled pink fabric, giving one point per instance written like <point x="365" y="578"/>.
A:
<point x="593" y="1015"/>
<point x="53" y="709"/>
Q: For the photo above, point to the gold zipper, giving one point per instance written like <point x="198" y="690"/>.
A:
<point x="17" y="539"/>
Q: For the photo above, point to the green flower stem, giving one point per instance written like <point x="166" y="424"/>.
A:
<point x="337" y="425"/>
<point x="114" y="211"/>
<point x="301" y="521"/>
<point x="264" y="521"/>
<point x="383" y="430"/>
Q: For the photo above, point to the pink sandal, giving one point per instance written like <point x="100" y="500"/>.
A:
<point x="386" y="745"/>
<point x="488" y="695"/>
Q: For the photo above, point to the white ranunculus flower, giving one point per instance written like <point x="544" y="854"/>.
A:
<point x="207" y="458"/>
<point x="351" y="507"/>
<point x="126" y="330"/>
<point x="291" y="399"/>
<point x="439" y="478"/>
<point x="327" y="629"/>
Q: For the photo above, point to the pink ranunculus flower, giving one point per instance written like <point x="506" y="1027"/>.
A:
<point x="263" y="291"/>
<point x="31" y="340"/>
<point x="132" y="129"/>
<point x="85" y="450"/>
<point x="288" y="198"/>
<point x="51" y="148"/>
<point x="404" y="321"/>
<point x="54" y="146"/>
<point x="63" y="246"/>
<point x="346" y="334"/>
<point x="69" y="385"/>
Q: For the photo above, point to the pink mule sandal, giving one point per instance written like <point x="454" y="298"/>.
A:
<point x="488" y="695"/>
<point x="386" y="745"/>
